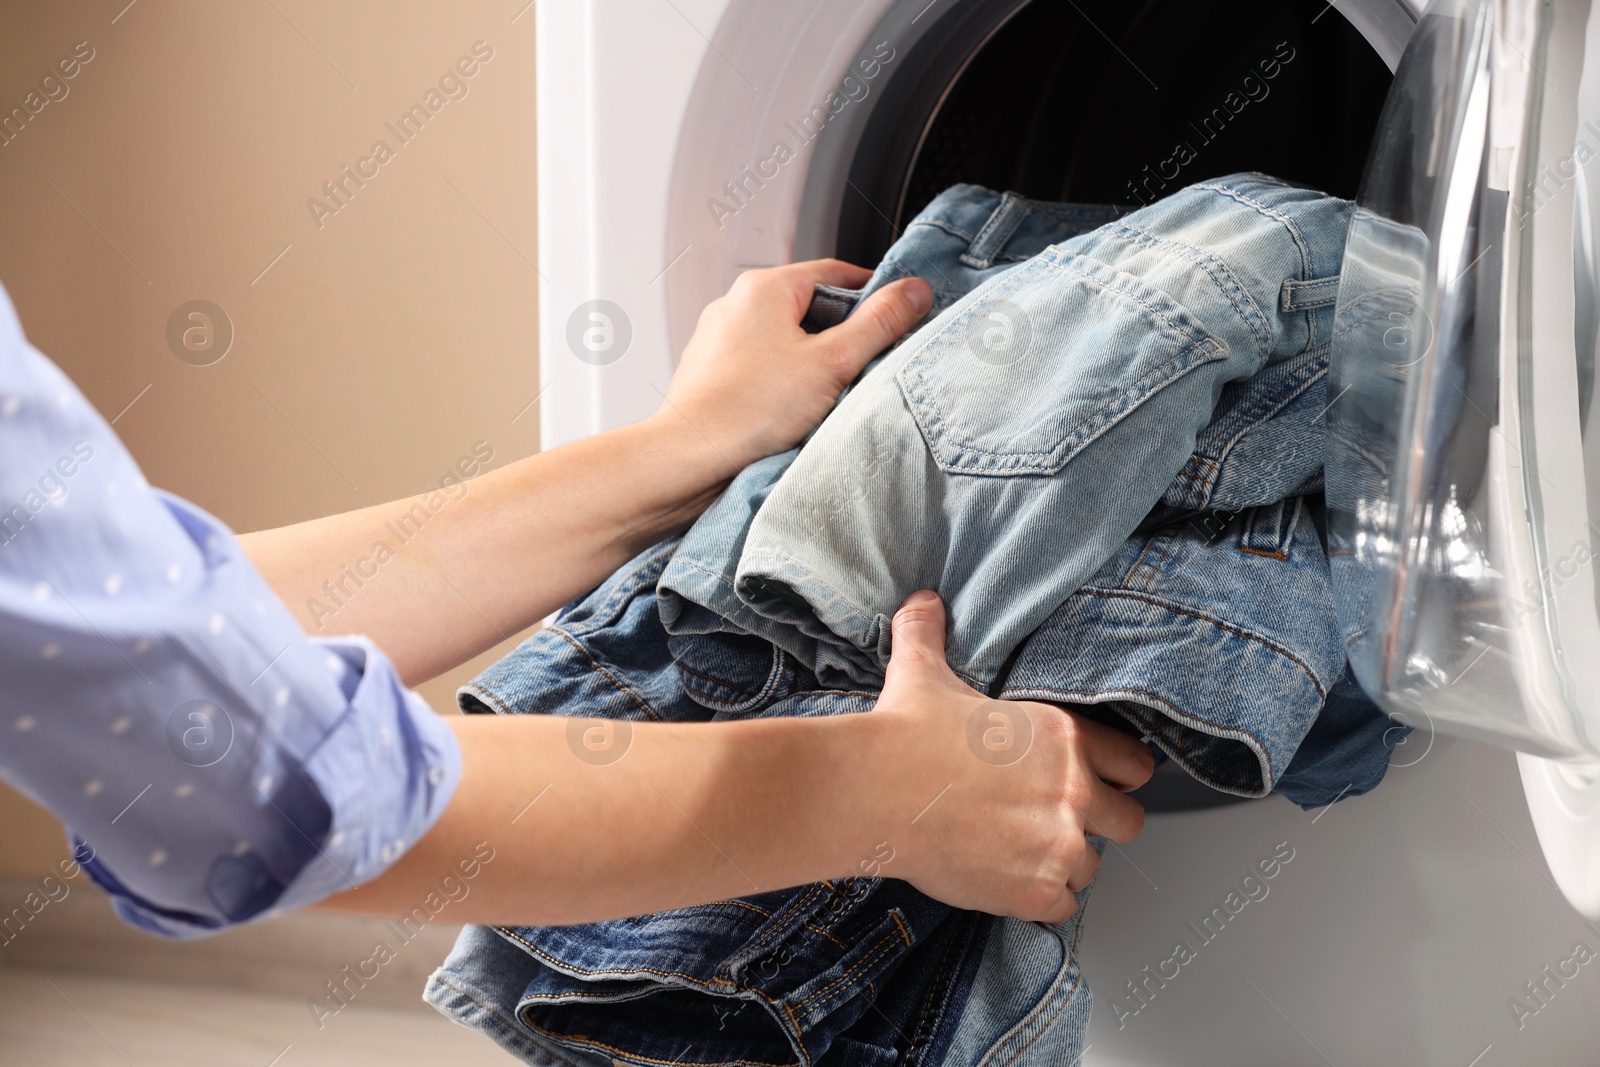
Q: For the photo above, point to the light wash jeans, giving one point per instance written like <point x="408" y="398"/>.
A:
<point x="1005" y="452"/>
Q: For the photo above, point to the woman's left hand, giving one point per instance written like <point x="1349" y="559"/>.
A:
<point x="753" y="383"/>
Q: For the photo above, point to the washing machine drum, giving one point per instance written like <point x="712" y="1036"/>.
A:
<point x="1112" y="103"/>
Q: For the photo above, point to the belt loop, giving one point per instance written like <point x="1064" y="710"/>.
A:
<point x="991" y="239"/>
<point x="1269" y="529"/>
<point x="1308" y="295"/>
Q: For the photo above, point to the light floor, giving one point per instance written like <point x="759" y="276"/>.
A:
<point x="78" y="988"/>
<point x="73" y="1019"/>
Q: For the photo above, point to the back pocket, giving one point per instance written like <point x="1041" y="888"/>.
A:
<point x="1031" y="368"/>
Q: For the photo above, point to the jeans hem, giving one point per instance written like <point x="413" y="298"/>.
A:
<point x="469" y="1008"/>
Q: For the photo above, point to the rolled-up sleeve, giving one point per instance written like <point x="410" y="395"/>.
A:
<point x="214" y="763"/>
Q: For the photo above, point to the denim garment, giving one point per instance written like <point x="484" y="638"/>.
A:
<point x="973" y="989"/>
<point x="1347" y="751"/>
<point x="845" y="972"/>
<point x="955" y="467"/>
<point x="984" y="990"/>
<point x="1251" y="609"/>
<point x="966" y="236"/>
<point x="1212" y="629"/>
<point x="856" y="971"/>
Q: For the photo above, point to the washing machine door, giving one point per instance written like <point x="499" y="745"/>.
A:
<point x="1463" y="437"/>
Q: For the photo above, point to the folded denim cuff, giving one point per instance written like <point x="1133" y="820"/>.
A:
<point x="791" y="600"/>
<point x="1230" y="706"/>
<point x="481" y="972"/>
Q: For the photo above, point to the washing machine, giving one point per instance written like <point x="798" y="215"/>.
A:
<point x="1452" y="916"/>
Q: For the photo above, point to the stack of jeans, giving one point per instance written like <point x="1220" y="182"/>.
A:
<point x="1104" y="449"/>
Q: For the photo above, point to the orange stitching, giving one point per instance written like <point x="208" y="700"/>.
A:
<point x="542" y="954"/>
<point x="903" y="931"/>
<point x="1263" y="552"/>
<point x="823" y="933"/>
<point x="799" y="1035"/>
<point x="608" y="676"/>
<point x="773" y="931"/>
<point x="647" y="1059"/>
<point x="725" y="903"/>
<point x="866" y="960"/>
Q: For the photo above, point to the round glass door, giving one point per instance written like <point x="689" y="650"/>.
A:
<point x="1463" y="447"/>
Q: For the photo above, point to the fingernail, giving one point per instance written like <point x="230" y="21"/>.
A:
<point x="921" y="596"/>
<point x="921" y="297"/>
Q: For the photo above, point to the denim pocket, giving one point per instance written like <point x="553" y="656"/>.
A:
<point x="1016" y="380"/>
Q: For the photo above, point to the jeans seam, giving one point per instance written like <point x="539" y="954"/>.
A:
<point x="1229" y="285"/>
<point x="773" y="554"/>
<point x="1218" y="623"/>
<point x="774" y="928"/>
<point x="594" y="666"/>
<point x="1009" y="213"/>
<point x="627" y="971"/>
<point x="867" y="959"/>
<point x="1144" y="552"/>
<point x="940" y="223"/>
<point x="1182" y="744"/>
<point x="1145" y="389"/>
<point x="1295" y="233"/>
<point x="593" y="1043"/>
<point x="1147" y="384"/>
<point x="763" y="912"/>
<point x="1060" y="1006"/>
<point x="764" y="695"/>
<point x="512" y="1023"/>
<point x="1257" y="414"/>
<point x="1077" y="981"/>
<point x="604" y="615"/>
<point x="928" y="1012"/>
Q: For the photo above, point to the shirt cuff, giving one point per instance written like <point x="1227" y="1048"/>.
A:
<point x="386" y="770"/>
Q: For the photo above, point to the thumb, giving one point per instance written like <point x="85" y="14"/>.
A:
<point x="918" y="635"/>
<point x="881" y="320"/>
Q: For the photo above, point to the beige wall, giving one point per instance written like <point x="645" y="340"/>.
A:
<point x="383" y="344"/>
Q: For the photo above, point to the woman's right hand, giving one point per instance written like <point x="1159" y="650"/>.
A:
<point x="1011" y="788"/>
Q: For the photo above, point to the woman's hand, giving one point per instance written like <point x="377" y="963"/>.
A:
<point x="753" y="383"/>
<point x="1011" y="787"/>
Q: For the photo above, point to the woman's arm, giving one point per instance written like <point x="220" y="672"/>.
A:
<point x="697" y="812"/>
<point x="525" y="539"/>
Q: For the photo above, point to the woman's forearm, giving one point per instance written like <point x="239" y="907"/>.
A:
<point x="564" y="820"/>
<point x="686" y="814"/>
<point x="434" y="586"/>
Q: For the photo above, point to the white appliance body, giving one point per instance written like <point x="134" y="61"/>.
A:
<point x="1418" y="925"/>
